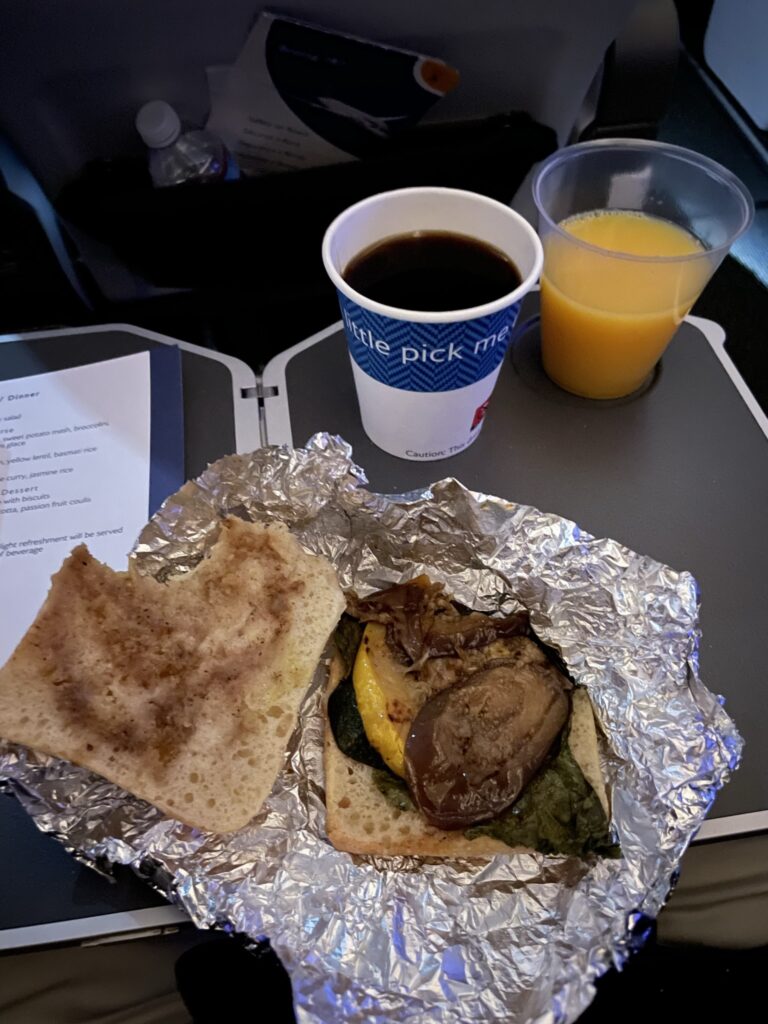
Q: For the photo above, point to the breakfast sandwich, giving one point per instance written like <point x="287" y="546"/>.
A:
<point x="454" y="733"/>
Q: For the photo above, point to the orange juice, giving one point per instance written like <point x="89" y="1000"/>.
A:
<point x="607" y="313"/>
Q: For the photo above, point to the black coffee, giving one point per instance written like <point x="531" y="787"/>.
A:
<point x="432" y="271"/>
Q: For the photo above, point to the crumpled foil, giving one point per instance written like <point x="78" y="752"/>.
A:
<point x="517" y="938"/>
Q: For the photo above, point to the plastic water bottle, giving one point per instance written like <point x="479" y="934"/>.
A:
<point x="175" y="155"/>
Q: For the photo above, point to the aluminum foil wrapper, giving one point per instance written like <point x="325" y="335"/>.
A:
<point x="517" y="938"/>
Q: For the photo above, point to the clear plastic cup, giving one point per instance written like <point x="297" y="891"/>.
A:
<point x="612" y="299"/>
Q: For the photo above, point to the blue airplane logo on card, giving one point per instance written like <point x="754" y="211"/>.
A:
<point x="427" y="357"/>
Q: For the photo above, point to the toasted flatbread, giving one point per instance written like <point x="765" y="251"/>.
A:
<point x="360" y="819"/>
<point x="184" y="693"/>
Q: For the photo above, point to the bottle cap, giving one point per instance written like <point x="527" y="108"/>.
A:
<point x="158" y="124"/>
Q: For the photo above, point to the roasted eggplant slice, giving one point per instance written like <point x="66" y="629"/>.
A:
<point x="473" y="747"/>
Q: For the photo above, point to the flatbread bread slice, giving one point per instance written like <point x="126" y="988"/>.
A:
<point x="360" y="819"/>
<point x="184" y="693"/>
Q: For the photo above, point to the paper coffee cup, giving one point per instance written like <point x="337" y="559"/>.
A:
<point x="424" y="379"/>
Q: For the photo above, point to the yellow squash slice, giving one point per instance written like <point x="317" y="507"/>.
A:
<point x="385" y="697"/>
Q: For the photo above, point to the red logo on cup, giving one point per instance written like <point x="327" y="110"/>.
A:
<point x="477" y="419"/>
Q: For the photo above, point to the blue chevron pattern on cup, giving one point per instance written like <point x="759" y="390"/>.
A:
<point x="426" y="357"/>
